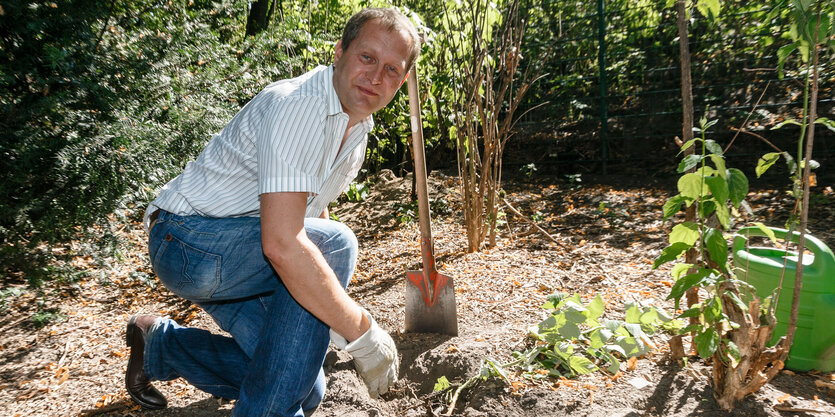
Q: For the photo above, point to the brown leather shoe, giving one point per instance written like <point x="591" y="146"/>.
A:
<point x="137" y="383"/>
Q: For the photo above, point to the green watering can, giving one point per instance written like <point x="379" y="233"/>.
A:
<point x="814" y="341"/>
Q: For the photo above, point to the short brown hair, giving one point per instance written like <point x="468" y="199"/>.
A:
<point x="391" y="19"/>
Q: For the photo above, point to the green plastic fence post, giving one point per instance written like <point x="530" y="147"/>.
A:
<point x="601" y="59"/>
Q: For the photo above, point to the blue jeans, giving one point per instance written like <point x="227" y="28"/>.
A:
<point x="272" y="364"/>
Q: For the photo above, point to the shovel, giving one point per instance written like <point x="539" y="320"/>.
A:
<point x="430" y="296"/>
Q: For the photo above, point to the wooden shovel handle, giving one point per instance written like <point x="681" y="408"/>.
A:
<point x="427" y="247"/>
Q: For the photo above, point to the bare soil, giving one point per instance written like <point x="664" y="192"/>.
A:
<point x="608" y="231"/>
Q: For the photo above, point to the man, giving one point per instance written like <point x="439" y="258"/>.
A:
<point x="238" y="234"/>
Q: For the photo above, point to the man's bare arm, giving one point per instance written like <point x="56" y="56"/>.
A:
<point x="302" y="268"/>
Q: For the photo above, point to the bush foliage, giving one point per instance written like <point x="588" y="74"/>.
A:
<point x="103" y="102"/>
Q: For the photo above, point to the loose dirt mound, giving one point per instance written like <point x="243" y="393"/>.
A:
<point x="607" y="238"/>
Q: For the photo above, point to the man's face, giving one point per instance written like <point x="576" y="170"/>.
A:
<point x="368" y="73"/>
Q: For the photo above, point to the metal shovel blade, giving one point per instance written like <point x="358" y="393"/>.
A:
<point x="430" y="311"/>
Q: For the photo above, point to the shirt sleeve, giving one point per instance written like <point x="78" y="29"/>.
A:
<point x="290" y="145"/>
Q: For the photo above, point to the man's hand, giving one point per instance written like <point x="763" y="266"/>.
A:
<point x="375" y="357"/>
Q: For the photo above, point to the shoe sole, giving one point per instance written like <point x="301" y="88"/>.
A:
<point x="129" y="340"/>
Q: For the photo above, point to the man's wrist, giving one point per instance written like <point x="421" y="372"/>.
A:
<point x="362" y="328"/>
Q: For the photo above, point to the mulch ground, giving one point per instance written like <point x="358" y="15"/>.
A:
<point x="605" y="231"/>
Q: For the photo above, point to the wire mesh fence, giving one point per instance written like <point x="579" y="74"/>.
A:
<point x="614" y="82"/>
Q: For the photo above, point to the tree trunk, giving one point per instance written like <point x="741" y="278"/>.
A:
<point x="734" y="378"/>
<point x="687" y="131"/>
<point x="259" y="16"/>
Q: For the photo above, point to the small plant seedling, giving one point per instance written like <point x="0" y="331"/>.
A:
<point x="528" y="169"/>
<point x="406" y="213"/>
<point x="44" y="317"/>
<point x="357" y="191"/>
<point x="441" y="384"/>
<point x="574" y="180"/>
<point x="576" y="340"/>
<point x="489" y="369"/>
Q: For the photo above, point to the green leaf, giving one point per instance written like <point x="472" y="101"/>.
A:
<point x="782" y="54"/>
<point x="673" y="206"/>
<point x="663" y="315"/>
<point x="724" y="215"/>
<point x="714" y="148"/>
<point x="709" y="8"/>
<point x="707" y="342"/>
<point x="575" y="298"/>
<point x="687" y="232"/>
<point x="689" y="162"/>
<point x="712" y="310"/>
<point x="597" y="338"/>
<point x="707" y="124"/>
<point x="491" y="368"/>
<point x="564" y="350"/>
<point x="696" y="327"/>
<point x="574" y="312"/>
<point x="717" y="247"/>
<point x="691" y="312"/>
<point x="829" y="124"/>
<point x="596" y="307"/>
<point x="581" y="364"/>
<point x="706" y="208"/>
<point x="671" y="253"/>
<point x="629" y="345"/>
<point x="689" y="281"/>
<point x="442" y="384"/>
<point x="737" y="186"/>
<point x="719" y="188"/>
<point x="736" y="300"/>
<point x="570" y="331"/>
<point x="813" y="165"/>
<point x="733" y="351"/>
<point x="767" y="231"/>
<point x="765" y="162"/>
<point x="679" y="269"/>
<point x="633" y="313"/>
<point x="613" y="362"/>
<point x="613" y="325"/>
<point x="548" y="323"/>
<point x="790" y="162"/>
<point x="634" y="329"/>
<point x="649" y="317"/>
<point x="786" y="122"/>
<point x="719" y="162"/>
<point x="554" y="300"/>
<point x="688" y="144"/>
<point x="614" y="347"/>
<point x="691" y="187"/>
<point x="705" y="171"/>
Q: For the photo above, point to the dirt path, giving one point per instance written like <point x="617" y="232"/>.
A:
<point x="607" y="237"/>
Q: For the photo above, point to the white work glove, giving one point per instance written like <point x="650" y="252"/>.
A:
<point x="375" y="357"/>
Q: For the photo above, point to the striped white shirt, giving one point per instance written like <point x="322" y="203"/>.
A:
<point x="285" y="140"/>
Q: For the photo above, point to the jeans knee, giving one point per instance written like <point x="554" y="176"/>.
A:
<point x="317" y="394"/>
<point x="338" y="245"/>
<point x="344" y="240"/>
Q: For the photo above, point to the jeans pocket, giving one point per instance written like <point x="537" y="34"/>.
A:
<point x="189" y="272"/>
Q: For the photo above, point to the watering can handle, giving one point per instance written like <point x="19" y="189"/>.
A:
<point x="818" y="248"/>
